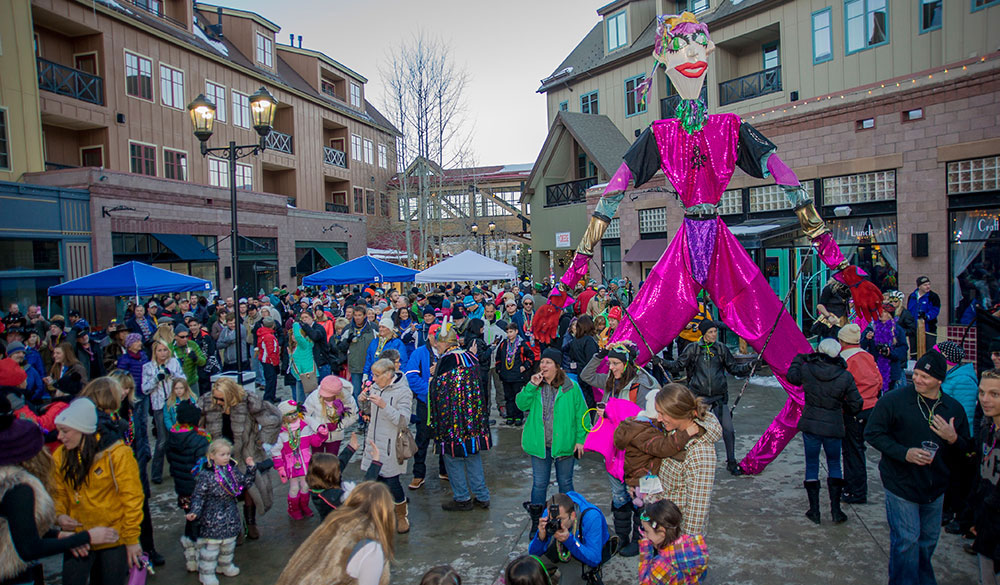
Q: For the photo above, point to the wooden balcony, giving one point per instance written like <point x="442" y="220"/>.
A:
<point x="63" y="80"/>
<point x="332" y="156"/>
<point x="568" y="193"/>
<point x="750" y="86"/>
<point x="279" y="141"/>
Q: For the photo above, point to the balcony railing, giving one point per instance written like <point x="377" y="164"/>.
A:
<point x="337" y="208"/>
<point x="74" y="83"/>
<point x="155" y="7"/>
<point x="568" y="193"/>
<point x="750" y="86"/>
<point x="332" y="156"/>
<point x="279" y="141"/>
<point x="668" y="105"/>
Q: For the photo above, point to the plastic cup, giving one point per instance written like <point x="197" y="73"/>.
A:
<point x="931" y="447"/>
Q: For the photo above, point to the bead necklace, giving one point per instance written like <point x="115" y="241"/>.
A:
<point x="294" y="440"/>
<point x="225" y="477"/>
<point x="512" y="352"/>
<point x="993" y="443"/>
<point x="928" y="411"/>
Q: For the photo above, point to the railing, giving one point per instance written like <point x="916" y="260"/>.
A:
<point x="279" y="141"/>
<point x="155" y="7"/>
<point x="332" y="156"/>
<point x="337" y="208"/>
<point x="750" y="86"/>
<point x="668" y="105"/>
<point x="74" y="83"/>
<point x="51" y="166"/>
<point x="568" y="193"/>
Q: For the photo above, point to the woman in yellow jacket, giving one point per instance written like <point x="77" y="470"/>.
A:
<point x="95" y="482"/>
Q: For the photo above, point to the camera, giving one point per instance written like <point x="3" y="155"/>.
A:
<point x="554" y="522"/>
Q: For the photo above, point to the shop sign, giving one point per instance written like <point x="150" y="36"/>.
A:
<point x="563" y="239"/>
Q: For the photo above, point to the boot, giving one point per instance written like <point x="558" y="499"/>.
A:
<point x="225" y="563"/>
<point x="293" y="508"/>
<point x="250" y="515"/>
<point x="190" y="554"/>
<point x="632" y="548"/>
<point x="836" y="487"/>
<point x="402" y="518"/>
<point x="208" y="560"/>
<point x="535" y="512"/>
<point x="304" y="505"/>
<point x="623" y="528"/>
<point x="812" y="490"/>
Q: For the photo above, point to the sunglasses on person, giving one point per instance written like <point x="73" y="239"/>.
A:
<point x="182" y="336"/>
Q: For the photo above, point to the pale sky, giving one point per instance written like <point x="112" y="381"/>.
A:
<point x="506" y="46"/>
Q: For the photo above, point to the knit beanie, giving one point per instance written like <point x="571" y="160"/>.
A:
<point x="11" y="374"/>
<point x="181" y="328"/>
<point x="20" y="439"/>
<point x="428" y="310"/>
<point x="933" y="364"/>
<point x="850" y="334"/>
<point x="830" y="347"/>
<point x="553" y="354"/>
<point x="330" y="387"/>
<point x="994" y="344"/>
<point x="132" y="338"/>
<point x="288" y="407"/>
<point x="615" y="313"/>
<point x="707" y="324"/>
<point x="188" y="413"/>
<point x="622" y="352"/>
<point x="951" y="351"/>
<point x="80" y="415"/>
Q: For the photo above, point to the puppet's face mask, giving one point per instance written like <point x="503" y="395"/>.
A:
<point x="685" y="57"/>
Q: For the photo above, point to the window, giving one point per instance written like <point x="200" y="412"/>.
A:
<point x="218" y="172"/>
<point x="241" y="110"/>
<point x="611" y="259"/>
<point x="383" y="156"/>
<point x="867" y="24"/>
<point x="370" y="201"/>
<point x="861" y="188"/>
<point x="653" y="221"/>
<point x="383" y="205"/>
<point x="355" y="147"/>
<point x="731" y="202"/>
<point x="369" y="152"/>
<point x="25" y="254"/>
<point x="355" y="95"/>
<point x="588" y="103"/>
<point x="359" y="200"/>
<point x="771" y="58"/>
<point x="172" y="87"/>
<point x="509" y="195"/>
<point x="142" y="158"/>
<point x="632" y="101"/>
<point x="974" y="176"/>
<point x="138" y="76"/>
<point x="216" y="94"/>
<point x="564" y="106"/>
<point x="822" y="36"/>
<point x="698" y="5"/>
<point x="617" y="34"/>
<point x="975" y="262"/>
<point x="865" y="124"/>
<point x="244" y="176"/>
<point x="92" y="156"/>
<point x="175" y="164"/>
<point x="930" y="15"/>
<point x="265" y="50"/>
<point x="980" y="4"/>
<point x="773" y="197"/>
<point x="4" y="141"/>
<point x="613" y="231"/>
<point x="913" y="115"/>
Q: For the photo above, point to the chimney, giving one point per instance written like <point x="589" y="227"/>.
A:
<point x="215" y="30"/>
<point x="291" y="40"/>
<point x="300" y="41"/>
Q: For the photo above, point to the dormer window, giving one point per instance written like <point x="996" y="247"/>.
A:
<point x="355" y="95"/>
<point x="265" y="50"/>
<point x="617" y="32"/>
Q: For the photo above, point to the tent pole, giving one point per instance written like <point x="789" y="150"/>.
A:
<point x="48" y="309"/>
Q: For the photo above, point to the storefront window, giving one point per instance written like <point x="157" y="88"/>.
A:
<point x="611" y="259"/>
<point x="975" y="262"/>
<point x="29" y="254"/>
<point x="870" y="243"/>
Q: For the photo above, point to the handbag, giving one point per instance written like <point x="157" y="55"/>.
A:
<point x="308" y="379"/>
<point x="406" y="445"/>
<point x="137" y="574"/>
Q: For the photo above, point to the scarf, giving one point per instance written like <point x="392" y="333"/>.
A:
<point x="885" y="333"/>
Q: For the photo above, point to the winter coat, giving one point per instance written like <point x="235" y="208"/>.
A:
<point x="132" y="364"/>
<point x="926" y="307"/>
<point x="587" y="544"/>
<point x="688" y="483"/>
<point x="568" y="410"/>
<point x="320" y="344"/>
<point x="907" y="321"/>
<point x="374" y="352"/>
<point x="456" y="412"/>
<point x="268" y="349"/>
<point x="302" y="355"/>
<point x="419" y="369"/>
<point x="111" y="495"/>
<point x="646" y="445"/>
<point x="962" y="384"/>
<point x="357" y="352"/>
<point x="706" y="369"/>
<point x="635" y="390"/>
<point x="155" y="387"/>
<point x="581" y="351"/>
<point x="93" y="363"/>
<point x="215" y="507"/>
<point x="226" y="343"/>
<point x="867" y="378"/>
<point x="211" y="366"/>
<point x="523" y="357"/>
<point x="316" y="418"/>
<point x="72" y="380"/>
<point x="330" y="499"/>
<point x="191" y="358"/>
<point x="254" y="422"/>
<point x="386" y="422"/>
<point x="898" y="353"/>
<point x="829" y="391"/>
<point x="112" y="352"/>
<point x="133" y="326"/>
<point x="294" y="462"/>
<point x="986" y="497"/>
<point x="184" y="448"/>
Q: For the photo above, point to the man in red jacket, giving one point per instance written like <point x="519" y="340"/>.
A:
<point x="583" y="299"/>
<point x="862" y="366"/>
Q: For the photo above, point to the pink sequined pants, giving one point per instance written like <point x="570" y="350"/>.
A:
<point x="668" y="301"/>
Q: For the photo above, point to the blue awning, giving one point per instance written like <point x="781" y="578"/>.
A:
<point x="186" y="247"/>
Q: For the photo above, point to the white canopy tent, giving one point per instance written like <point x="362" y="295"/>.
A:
<point x="467" y="266"/>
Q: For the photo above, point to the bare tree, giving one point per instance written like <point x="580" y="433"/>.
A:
<point x="424" y="90"/>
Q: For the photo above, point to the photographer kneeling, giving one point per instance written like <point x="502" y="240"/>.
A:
<point x="572" y="537"/>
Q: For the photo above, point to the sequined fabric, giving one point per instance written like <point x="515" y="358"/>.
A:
<point x="699" y="165"/>
<point x="701" y="246"/>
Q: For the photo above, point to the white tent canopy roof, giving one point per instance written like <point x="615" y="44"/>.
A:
<point x="467" y="266"/>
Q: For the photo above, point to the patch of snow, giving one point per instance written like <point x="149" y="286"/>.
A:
<point x="114" y="4"/>
<point x="220" y="47"/>
<point x="768" y="381"/>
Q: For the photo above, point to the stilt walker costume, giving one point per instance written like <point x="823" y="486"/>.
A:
<point x="698" y="154"/>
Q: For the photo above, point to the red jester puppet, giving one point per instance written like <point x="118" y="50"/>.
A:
<point x="698" y="153"/>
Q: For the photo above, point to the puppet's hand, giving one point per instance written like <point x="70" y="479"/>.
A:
<point x="576" y="270"/>
<point x="867" y="297"/>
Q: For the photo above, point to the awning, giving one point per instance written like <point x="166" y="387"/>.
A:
<point x="752" y="233"/>
<point x="647" y="250"/>
<point x="186" y="247"/>
<point x="329" y="253"/>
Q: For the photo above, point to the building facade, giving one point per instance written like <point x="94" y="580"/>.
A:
<point x="111" y="82"/>
<point x="886" y="111"/>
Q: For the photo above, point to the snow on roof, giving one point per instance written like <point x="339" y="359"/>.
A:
<point x="220" y="47"/>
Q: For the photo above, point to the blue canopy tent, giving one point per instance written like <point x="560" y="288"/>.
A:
<point x="360" y="271"/>
<point x="129" y="279"/>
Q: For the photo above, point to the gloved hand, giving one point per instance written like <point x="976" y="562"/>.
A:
<point x="160" y="376"/>
<point x="867" y="297"/>
<point x="602" y="353"/>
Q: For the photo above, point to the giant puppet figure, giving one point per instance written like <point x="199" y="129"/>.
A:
<point x="698" y="154"/>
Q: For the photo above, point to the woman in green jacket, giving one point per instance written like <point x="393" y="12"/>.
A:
<point x="554" y="430"/>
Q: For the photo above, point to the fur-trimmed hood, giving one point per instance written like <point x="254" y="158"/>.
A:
<point x="45" y="517"/>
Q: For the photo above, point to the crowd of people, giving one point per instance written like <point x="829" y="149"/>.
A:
<point x="89" y="417"/>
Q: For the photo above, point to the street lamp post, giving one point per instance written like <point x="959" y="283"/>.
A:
<point x="202" y="112"/>
<point x="474" y="228"/>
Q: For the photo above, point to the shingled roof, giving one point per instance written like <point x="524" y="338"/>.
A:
<point x="597" y="136"/>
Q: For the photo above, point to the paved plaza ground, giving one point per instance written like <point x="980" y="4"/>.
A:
<point x="757" y="532"/>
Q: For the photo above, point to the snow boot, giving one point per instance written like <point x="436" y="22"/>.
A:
<point x="293" y="508"/>
<point x="623" y="528"/>
<point x="190" y="554"/>
<point x="304" y="505"/>
<point x="250" y="516"/>
<point x="225" y="563"/>
<point x="402" y="518"/>
<point x="208" y="560"/>
<point x="812" y="490"/>
<point x="836" y="487"/>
